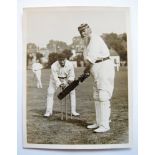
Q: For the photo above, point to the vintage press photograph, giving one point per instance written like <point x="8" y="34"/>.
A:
<point x="76" y="78"/>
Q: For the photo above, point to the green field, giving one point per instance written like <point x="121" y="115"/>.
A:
<point x="53" y="130"/>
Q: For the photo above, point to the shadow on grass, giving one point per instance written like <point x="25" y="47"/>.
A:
<point x="76" y="120"/>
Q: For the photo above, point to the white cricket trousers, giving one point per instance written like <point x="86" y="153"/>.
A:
<point x="38" y="77"/>
<point x="103" y="74"/>
<point x="50" y="95"/>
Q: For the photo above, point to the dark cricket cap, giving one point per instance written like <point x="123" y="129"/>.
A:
<point x="82" y="27"/>
<point x="61" y="56"/>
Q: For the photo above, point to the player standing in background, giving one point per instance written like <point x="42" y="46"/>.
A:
<point x="36" y="68"/>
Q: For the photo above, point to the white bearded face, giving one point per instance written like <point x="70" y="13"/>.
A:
<point x="86" y="32"/>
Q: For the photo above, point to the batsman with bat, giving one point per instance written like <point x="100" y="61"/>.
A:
<point x="62" y="74"/>
<point x="98" y="63"/>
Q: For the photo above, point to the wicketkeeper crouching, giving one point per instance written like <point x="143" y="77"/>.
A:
<point x="62" y="74"/>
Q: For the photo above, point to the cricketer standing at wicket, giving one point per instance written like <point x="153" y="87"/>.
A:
<point x="101" y="67"/>
<point x="62" y="74"/>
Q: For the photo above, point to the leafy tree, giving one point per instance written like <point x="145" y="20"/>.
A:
<point x="29" y="58"/>
<point x="118" y="43"/>
<point x="31" y="47"/>
<point x="52" y="58"/>
<point x="68" y="53"/>
<point x="124" y="37"/>
<point x="39" y="55"/>
<point x="56" y="46"/>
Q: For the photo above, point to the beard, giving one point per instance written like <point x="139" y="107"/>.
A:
<point x="86" y="40"/>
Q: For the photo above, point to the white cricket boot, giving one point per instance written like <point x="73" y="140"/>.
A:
<point x="75" y="114"/>
<point x="93" y="126"/>
<point x="47" y="114"/>
<point x="101" y="129"/>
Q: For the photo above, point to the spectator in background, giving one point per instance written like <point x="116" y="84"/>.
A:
<point x="36" y="68"/>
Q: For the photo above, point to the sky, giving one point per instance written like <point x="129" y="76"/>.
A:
<point x="60" y="23"/>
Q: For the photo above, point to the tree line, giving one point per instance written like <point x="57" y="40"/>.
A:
<point x="115" y="41"/>
<point x="118" y="43"/>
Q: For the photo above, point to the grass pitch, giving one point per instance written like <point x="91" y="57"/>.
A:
<point x="53" y="130"/>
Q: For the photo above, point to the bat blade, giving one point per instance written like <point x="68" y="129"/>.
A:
<point x="72" y="86"/>
<point x="68" y="89"/>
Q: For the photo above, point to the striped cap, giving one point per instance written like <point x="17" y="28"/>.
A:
<point x="82" y="27"/>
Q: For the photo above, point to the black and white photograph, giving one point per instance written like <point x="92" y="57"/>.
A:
<point x="77" y="77"/>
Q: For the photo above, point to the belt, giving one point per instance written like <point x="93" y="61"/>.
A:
<point x="103" y="59"/>
<point x="62" y="77"/>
